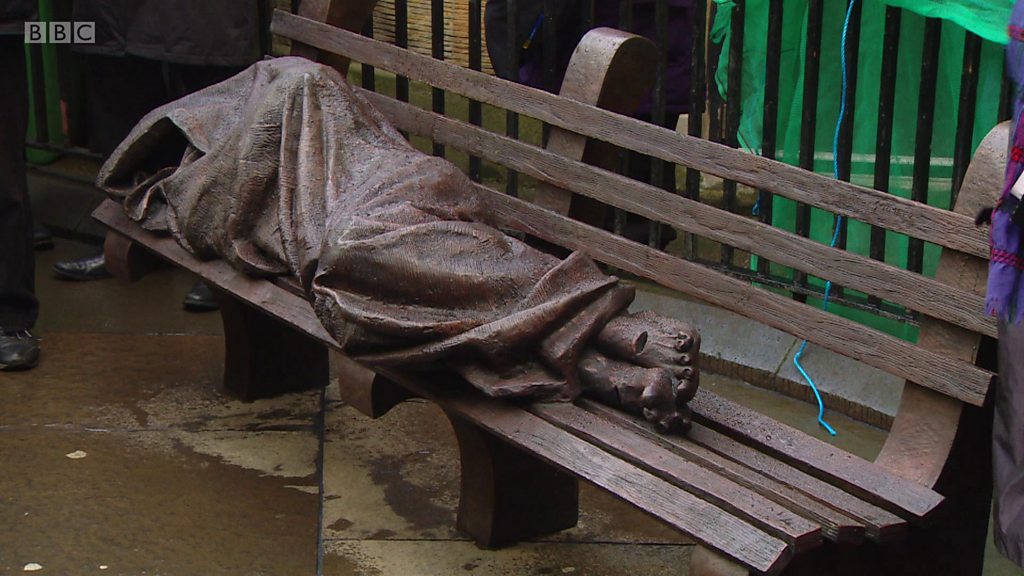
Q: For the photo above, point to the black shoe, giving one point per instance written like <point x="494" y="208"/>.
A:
<point x="41" y="237"/>
<point x="200" y="299"/>
<point x="91" y="268"/>
<point x="19" y="350"/>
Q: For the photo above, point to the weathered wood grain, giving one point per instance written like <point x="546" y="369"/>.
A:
<point x="935" y="225"/>
<point x="774" y="478"/>
<point x="678" y="469"/>
<point x="926" y="425"/>
<point x="860" y="477"/>
<point x="951" y="303"/>
<point x="704" y="521"/>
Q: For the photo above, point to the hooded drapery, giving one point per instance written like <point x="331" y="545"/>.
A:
<point x="285" y="170"/>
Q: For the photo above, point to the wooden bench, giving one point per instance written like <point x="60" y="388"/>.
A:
<point x="758" y="496"/>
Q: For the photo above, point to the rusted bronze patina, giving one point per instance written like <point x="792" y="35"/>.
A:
<point x="285" y="170"/>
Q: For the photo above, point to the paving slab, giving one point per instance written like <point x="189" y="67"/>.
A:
<point x="397" y="478"/>
<point x="867" y="393"/>
<point x="120" y="381"/>
<point x="140" y="503"/>
<point x="150" y="306"/>
<point x="386" y="558"/>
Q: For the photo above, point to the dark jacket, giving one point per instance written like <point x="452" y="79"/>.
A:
<point x="198" y="32"/>
<point x="14" y="13"/>
<point x="566" y="16"/>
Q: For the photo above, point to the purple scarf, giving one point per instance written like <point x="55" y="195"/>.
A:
<point x="1005" y="292"/>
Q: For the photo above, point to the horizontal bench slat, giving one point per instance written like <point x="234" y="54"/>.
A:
<point x="839" y="512"/>
<point x="847" y="269"/>
<point x="871" y="206"/>
<point x="951" y="377"/>
<point x="852" y="473"/>
<point x="798" y="531"/>
<point x="882" y="525"/>
<point x="702" y="520"/>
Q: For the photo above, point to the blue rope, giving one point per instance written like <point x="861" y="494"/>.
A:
<point x="838" y="219"/>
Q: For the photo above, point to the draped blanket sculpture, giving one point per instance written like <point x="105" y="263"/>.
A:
<point x="285" y="170"/>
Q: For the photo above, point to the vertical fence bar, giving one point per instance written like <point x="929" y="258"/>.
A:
<point x="511" y="118"/>
<point x="626" y="15"/>
<point x="475" y="63"/>
<point x="716" y="102"/>
<point x="925" y="129"/>
<point x="619" y="217"/>
<point x="809" y="121"/>
<point x="733" y="108"/>
<point x="587" y="14"/>
<point x="549" y="48"/>
<point x="367" y="73"/>
<point x="698" y="99"/>
<point x="965" y="117"/>
<point x="437" y="51"/>
<point x="770" y="122"/>
<point x="883" y="141"/>
<point x="660" y="168"/>
<point x="402" y="41"/>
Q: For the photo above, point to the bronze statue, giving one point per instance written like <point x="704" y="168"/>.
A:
<point x="284" y="170"/>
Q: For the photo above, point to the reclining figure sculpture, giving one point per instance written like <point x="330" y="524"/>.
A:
<point x="285" y="170"/>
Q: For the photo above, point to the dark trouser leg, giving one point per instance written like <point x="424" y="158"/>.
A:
<point x="121" y="91"/>
<point x="18" y="305"/>
<point x="1008" y="444"/>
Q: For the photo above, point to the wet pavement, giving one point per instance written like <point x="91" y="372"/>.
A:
<point x="120" y="455"/>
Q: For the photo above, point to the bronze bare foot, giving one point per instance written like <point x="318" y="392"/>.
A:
<point x="654" y="341"/>
<point x="647" y="392"/>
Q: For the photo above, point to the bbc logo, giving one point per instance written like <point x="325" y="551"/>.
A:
<point x="60" y="32"/>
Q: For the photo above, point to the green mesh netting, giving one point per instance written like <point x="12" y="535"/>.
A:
<point x="865" y="105"/>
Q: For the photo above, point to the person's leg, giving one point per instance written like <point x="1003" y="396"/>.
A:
<point x="18" y="305"/>
<point x="1008" y="444"/>
<point x="121" y="90"/>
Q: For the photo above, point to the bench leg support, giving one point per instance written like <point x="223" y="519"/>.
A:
<point x="508" y="495"/>
<point x="264" y="357"/>
<point x="365" y="390"/>
<point x="125" y="259"/>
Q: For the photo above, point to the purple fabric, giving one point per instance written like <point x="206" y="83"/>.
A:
<point x="1005" y="293"/>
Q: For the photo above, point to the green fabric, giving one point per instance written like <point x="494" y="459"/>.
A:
<point x="986" y="18"/>
<point x="864" y="106"/>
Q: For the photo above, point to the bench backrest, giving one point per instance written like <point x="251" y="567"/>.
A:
<point x="951" y="305"/>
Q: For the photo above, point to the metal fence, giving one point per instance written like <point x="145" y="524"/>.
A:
<point x="717" y="116"/>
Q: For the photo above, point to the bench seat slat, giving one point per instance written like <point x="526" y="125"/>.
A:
<point x="857" y="202"/>
<point x="704" y="521"/>
<point x="841" y="514"/>
<point x="864" y="479"/>
<point x="801" y="532"/>
<point x="903" y="287"/>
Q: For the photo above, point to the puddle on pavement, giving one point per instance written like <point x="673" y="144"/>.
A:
<point x="144" y="511"/>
